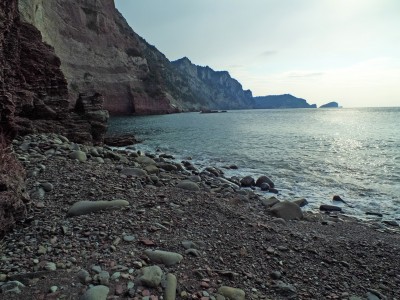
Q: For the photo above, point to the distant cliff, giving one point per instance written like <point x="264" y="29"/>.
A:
<point x="330" y="105"/>
<point x="209" y="88"/>
<point x="281" y="101"/>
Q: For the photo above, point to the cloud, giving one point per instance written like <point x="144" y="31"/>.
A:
<point x="303" y="74"/>
<point x="268" y="53"/>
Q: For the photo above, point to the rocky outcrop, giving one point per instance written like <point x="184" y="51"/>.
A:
<point x="281" y="101"/>
<point x="207" y="88"/>
<point x="99" y="53"/>
<point x="330" y="105"/>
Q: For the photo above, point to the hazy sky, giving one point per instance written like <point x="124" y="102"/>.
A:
<point x="321" y="50"/>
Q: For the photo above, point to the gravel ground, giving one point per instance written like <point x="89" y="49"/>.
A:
<point x="235" y="242"/>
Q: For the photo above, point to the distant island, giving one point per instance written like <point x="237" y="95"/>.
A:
<point x="330" y="105"/>
<point x="281" y="101"/>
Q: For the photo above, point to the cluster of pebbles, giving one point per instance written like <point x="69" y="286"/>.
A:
<point x="111" y="224"/>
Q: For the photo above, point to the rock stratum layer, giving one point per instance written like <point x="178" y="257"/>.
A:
<point x="100" y="52"/>
<point x="33" y="90"/>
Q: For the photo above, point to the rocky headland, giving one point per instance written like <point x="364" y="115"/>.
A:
<point x="281" y="101"/>
<point x="330" y="105"/>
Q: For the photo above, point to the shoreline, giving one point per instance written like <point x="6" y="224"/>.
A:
<point x="235" y="241"/>
<point x="348" y="208"/>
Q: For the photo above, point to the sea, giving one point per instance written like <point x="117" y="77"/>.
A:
<point x="308" y="153"/>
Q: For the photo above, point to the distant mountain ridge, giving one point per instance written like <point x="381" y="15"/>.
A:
<point x="281" y="101"/>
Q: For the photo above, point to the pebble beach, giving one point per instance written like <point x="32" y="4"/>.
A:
<point x="105" y="223"/>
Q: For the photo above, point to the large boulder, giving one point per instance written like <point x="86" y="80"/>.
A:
<point x="287" y="210"/>
<point x="264" y="179"/>
<point x="87" y="207"/>
<point x="163" y="257"/>
<point x="188" y="185"/>
<point x="99" y="292"/>
<point x="247" y="181"/>
<point x="151" y="276"/>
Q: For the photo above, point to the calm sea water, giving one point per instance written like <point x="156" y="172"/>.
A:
<point x="311" y="153"/>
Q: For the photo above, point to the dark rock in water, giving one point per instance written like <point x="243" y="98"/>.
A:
<point x="330" y="105"/>
<point x="233" y="167"/>
<point x="167" y="167"/>
<point x="167" y="156"/>
<point x="247" y="181"/>
<point x="120" y="140"/>
<point x="301" y="202"/>
<point x="325" y="207"/>
<point x="287" y="211"/>
<point x="215" y="171"/>
<point x="264" y="179"/>
<point x="264" y="186"/>
<point x="274" y="191"/>
<point x="338" y="198"/>
<point x="391" y="223"/>
<point x="372" y="213"/>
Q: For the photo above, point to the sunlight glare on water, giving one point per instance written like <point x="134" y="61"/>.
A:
<point x="311" y="153"/>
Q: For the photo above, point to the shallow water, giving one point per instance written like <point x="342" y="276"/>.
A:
<point x="311" y="153"/>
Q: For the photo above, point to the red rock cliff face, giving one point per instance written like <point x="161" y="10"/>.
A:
<point x="33" y="90"/>
<point x="99" y="52"/>
<point x="32" y="85"/>
<point x="34" y="98"/>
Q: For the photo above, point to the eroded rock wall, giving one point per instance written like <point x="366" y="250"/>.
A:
<point x="99" y="53"/>
<point x="34" y="98"/>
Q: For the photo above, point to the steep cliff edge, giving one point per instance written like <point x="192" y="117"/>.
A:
<point x="209" y="88"/>
<point x="99" y="52"/>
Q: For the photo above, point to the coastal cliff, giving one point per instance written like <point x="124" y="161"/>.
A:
<point x="99" y="52"/>
<point x="209" y="88"/>
<point x="281" y="101"/>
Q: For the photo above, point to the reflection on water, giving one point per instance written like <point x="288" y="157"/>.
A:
<point x="312" y="153"/>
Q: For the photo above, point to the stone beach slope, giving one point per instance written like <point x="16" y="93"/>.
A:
<point x="106" y="224"/>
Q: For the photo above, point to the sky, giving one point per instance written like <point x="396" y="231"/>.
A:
<point x="346" y="51"/>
